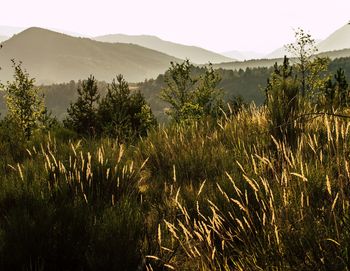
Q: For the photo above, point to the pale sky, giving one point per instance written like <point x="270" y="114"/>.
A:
<point x="218" y="25"/>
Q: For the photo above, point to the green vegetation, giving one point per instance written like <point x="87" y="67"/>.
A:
<point x="82" y="115"/>
<point x="122" y="114"/>
<point x="24" y="104"/>
<point x="265" y="187"/>
<point x="189" y="97"/>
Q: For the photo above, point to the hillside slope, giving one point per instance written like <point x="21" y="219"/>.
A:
<point x="195" y="54"/>
<point x="3" y="38"/>
<point x="338" y="40"/>
<point x="54" y="57"/>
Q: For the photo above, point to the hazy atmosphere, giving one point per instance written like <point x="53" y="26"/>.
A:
<point x="175" y="135"/>
<point x="260" y="26"/>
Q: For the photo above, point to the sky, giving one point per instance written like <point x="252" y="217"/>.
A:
<point x="217" y="25"/>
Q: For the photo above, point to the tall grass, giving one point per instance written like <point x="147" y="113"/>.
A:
<point x="284" y="210"/>
<point x="200" y="197"/>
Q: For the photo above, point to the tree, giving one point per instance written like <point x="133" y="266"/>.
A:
<point x="82" y="115"/>
<point x="24" y="103"/>
<point x="342" y="88"/>
<point x="123" y="114"/>
<point x="303" y="49"/>
<point x="179" y="90"/>
<point x="191" y="97"/>
<point x="337" y="93"/>
<point x="207" y="95"/>
<point x="282" y="93"/>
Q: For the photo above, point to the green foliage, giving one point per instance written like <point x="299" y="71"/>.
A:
<point x="203" y="196"/>
<point x="190" y="97"/>
<point x="282" y="102"/>
<point x="194" y="197"/>
<point x="122" y="114"/>
<point x="25" y="105"/>
<point x="12" y="143"/>
<point x="82" y="115"/>
<point x="64" y="208"/>
<point x="207" y="95"/>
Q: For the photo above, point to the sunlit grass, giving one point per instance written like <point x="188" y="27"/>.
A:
<point x="209" y="196"/>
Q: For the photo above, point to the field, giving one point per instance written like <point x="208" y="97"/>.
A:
<point x="221" y="195"/>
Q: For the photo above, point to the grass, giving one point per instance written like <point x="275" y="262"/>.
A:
<point x="209" y="196"/>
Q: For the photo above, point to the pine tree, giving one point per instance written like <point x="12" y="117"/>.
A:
<point x="336" y="93"/>
<point x="123" y="114"/>
<point x="282" y="102"/>
<point x="82" y="115"/>
<point x="342" y="88"/>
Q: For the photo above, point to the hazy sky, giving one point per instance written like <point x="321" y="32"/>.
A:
<point x="218" y="25"/>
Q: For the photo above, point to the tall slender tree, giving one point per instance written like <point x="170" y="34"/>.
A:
<point x="282" y="94"/>
<point x="342" y="87"/>
<point x="302" y="49"/>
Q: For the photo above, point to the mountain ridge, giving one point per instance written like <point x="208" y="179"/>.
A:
<point x="196" y="54"/>
<point x="53" y="57"/>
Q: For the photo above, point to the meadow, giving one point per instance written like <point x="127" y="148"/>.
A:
<point x="210" y="195"/>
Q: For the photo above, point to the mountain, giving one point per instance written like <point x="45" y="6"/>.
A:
<point x="338" y="40"/>
<point x="253" y="63"/>
<point x="243" y="55"/>
<point x="194" y="54"/>
<point x="3" y="38"/>
<point x="281" y="52"/>
<point x="336" y="54"/>
<point x="53" y="57"/>
<point x="278" y="53"/>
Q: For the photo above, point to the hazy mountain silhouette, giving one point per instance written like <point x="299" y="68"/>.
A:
<point x="54" y="57"/>
<point x="194" y="54"/>
<point x="278" y="53"/>
<point x="243" y="55"/>
<point x="3" y="38"/>
<point x="338" y="40"/>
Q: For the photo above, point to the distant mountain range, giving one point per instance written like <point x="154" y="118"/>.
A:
<point x="197" y="55"/>
<point x="53" y="57"/>
<point x="243" y="55"/>
<point x="337" y="41"/>
<point x="269" y="62"/>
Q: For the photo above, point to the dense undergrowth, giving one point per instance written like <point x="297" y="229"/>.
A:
<point x="205" y="196"/>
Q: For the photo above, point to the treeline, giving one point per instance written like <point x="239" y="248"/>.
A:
<point x="248" y="84"/>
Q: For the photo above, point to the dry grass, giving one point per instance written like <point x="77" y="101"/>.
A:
<point x="223" y="196"/>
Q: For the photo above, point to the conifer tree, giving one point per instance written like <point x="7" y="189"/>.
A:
<point x="123" y="114"/>
<point x="282" y="94"/>
<point x="342" y="87"/>
<point x="82" y="115"/>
